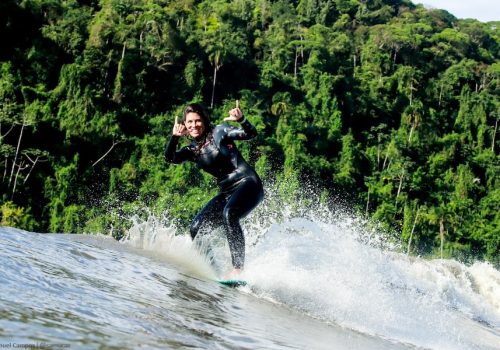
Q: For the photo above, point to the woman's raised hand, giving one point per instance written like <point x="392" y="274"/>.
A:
<point x="235" y="114"/>
<point x="179" y="129"/>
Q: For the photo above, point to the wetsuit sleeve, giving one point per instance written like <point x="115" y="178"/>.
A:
<point x="246" y="132"/>
<point x="174" y="156"/>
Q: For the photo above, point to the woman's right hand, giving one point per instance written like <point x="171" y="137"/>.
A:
<point x="179" y="129"/>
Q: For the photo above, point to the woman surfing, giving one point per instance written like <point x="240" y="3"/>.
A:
<point x="213" y="150"/>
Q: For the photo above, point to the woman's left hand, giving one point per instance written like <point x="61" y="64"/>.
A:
<point x="235" y="114"/>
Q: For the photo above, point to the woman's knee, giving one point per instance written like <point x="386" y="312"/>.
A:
<point x="230" y="216"/>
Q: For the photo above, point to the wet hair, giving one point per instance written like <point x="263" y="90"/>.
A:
<point x="201" y="111"/>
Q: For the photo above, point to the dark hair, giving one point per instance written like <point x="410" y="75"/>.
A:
<point x="201" y="111"/>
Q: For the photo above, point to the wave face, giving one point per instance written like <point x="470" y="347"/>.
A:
<point x="321" y="276"/>
<point x="326" y="266"/>
<point x="328" y="271"/>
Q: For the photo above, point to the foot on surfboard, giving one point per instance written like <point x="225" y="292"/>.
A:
<point x="233" y="279"/>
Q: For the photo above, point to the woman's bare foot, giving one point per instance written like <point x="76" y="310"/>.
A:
<point x="234" y="274"/>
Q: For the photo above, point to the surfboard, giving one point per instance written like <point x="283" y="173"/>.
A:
<point x="233" y="283"/>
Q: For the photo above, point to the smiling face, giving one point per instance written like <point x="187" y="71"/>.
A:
<point x="194" y="124"/>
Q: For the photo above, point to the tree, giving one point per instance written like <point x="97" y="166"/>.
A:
<point x="221" y="40"/>
<point x="348" y="166"/>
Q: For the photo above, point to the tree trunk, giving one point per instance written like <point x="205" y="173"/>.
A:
<point x="299" y="52"/>
<point x="213" y="86"/>
<point x="17" y="152"/>
<point x="117" y="93"/>
<point x="440" y="94"/>
<point x="385" y="159"/>
<point x="181" y="24"/>
<point x="8" y="131"/>
<point x="295" y="64"/>
<point x="378" y="152"/>
<point x="494" y="136"/>
<point x="302" y="50"/>
<point x="107" y="152"/>
<point x="32" y="167"/>
<point x="354" y="63"/>
<point x="401" y="178"/>
<point x="5" y="168"/>
<point x="19" y="168"/>
<point x="441" y="235"/>
<point x="411" y="233"/>
<point x="367" y="203"/>
<point x="411" y="93"/>
<point x="411" y="133"/>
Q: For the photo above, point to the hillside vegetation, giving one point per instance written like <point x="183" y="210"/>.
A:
<point x="388" y="105"/>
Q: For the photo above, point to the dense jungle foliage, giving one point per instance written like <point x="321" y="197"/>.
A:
<point x="383" y="105"/>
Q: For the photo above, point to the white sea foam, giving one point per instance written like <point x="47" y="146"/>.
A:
<point x="325" y="271"/>
<point x="324" y="264"/>
<point x="159" y="238"/>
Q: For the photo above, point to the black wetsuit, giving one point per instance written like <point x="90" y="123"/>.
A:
<point x="240" y="186"/>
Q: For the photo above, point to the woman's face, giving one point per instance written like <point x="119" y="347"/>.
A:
<point x="194" y="124"/>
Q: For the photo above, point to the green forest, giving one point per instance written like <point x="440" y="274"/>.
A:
<point x="384" y="105"/>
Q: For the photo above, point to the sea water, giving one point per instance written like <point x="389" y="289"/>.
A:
<point x="314" y="282"/>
